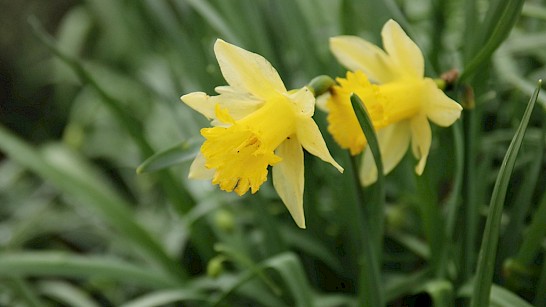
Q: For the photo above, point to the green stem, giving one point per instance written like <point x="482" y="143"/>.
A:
<point x="370" y="292"/>
<point x="469" y="192"/>
<point x="433" y="224"/>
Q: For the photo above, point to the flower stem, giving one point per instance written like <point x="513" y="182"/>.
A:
<point x="370" y="291"/>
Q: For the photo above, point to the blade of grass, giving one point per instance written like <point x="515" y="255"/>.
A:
<point x="499" y="20"/>
<point x="92" y="192"/>
<point x="177" y="154"/>
<point x="513" y="237"/>
<point x="165" y="297"/>
<point x="26" y="293"/>
<point x="500" y="297"/>
<point x="441" y="292"/>
<point x="67" y="293"/>
<point x="397" y="286"/>
<point x="534" y="236"/>
<point x="469" y="213"/>
<point x="371" y="292"/>
<point x="34" y="264"/>
<point x="293" y="274"/>
<point x="433" y="224"/>
<point x="214" y="19"/>
<point x="486" y="259"/>
<point x="540" y="296"/>
<point x="181" y="198"/>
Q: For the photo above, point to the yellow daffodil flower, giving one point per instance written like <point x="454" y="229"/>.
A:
<point x="256" y="123"/>
<point x="397" y="96"/>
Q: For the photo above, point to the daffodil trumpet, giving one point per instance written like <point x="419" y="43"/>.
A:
<point x="399" y="99"/>
<point x="256" y="123"/>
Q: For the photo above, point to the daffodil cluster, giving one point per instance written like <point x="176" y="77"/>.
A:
<point x="257" y="123"/>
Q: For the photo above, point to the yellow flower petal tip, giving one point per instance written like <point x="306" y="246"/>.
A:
<point x="256" y="124"/>
<point x="391" y="84"/>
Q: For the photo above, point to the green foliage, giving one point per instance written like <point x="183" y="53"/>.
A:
<point x="80" y="227"/>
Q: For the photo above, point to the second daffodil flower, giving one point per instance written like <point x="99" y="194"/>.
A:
<point x="397" y="96"/>
<point x="256" y="123"/>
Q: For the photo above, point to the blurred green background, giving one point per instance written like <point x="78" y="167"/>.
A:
<point x="90" y="90"/>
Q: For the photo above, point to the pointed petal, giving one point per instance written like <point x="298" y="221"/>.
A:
<point x="304" y="101"/>
<point x="198" y="169"/>
<point x="311" y="139"/>
<point x="393" y="141"/>
<point x="246" y="71"/>
<point x="200" y="102"/>
<point x="403" y="52"/>
<point x="356" y="53"/>
<point x="440" y="109"/>
<point x="421" y="138"/>
<point x="288" y="178"/>
<point x="238" y="105"/>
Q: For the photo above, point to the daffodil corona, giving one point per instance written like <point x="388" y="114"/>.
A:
<point x="397" y="96"/>
<point x="257" y="123"/>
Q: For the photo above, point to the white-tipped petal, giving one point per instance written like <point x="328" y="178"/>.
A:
<point x="403" y="52"/>
<point x="356" y="53"/>
<point x="288" y="178"/>
<point x="421" y="138"/>
<point x="393" y="141"/>
<point x="311" y="139"/>
<point x="440" y="109"/>
<point x="247" y="71"/>
<point x="198" y="169"/>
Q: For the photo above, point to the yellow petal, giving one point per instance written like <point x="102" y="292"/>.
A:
<point x="393" y="141"/>
<point x="311" y="139"/>
<point x="356" y="54"/>
<point x="238" y="105"/>
<point x="304" y="102"/>
<point x="440" y="109"/>
<point x="247" y="72"/>
<point x="403" y="52"/>
<point x="198" y="169"/>
<point x="421" y="138"/>
<point x="200" y="102"/>
<point x="288" y="178"/>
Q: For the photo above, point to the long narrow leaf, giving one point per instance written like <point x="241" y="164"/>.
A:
<point x="90" y="192"/>
<point x="500" y="19"/>
<point x="486" y="260"/>
<point x="34" y="264"/>
<point x="171" y="156"/>
<point x="371" y="290"/>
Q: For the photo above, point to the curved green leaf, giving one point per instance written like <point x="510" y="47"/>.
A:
<point x="177" y="154"/>
<point x="488" y="249"/>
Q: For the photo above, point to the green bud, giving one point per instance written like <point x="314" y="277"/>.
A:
<point x="215" y="267"/>
<point x="320" y="85"/>
<point x="224" y="220"/>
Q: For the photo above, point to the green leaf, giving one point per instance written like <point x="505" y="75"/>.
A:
<point x="488" y="249"/>
<point x="499" y="20"/>
<point x="164" y="297"/>
<point x="293" y="274"/>
<point x="441" y="292"/>
<point x="66" y="293"/>
<point x="499" y="297"/>
<point x="214" y="19"/>
<point x="177" y="154"/>
<point x="72" y="175"/>
<point x="371" y="291"/>
<point x="34" y="264"/>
